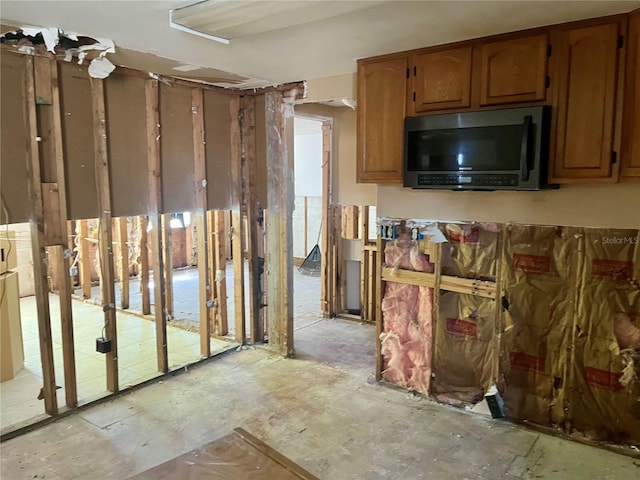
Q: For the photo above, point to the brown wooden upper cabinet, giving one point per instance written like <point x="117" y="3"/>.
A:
<point x="380" y="119"/>
<point x="442" y="80"/>
<point x="630" y="153"/>
<point x="585" y="65"/>
<point x="513" y="70"/>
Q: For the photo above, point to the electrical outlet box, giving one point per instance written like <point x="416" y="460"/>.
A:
<point x="103" y="345"/>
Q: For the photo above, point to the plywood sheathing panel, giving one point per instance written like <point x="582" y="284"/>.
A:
<point x="608" y="303"/>
<point x="14" y="137"/>
<point x="176" y="149"/>
<point x="125" y="110"/>
<point x="261" y="152"/>
<point x="217" y="125"/>
<point x="78" y="138"/>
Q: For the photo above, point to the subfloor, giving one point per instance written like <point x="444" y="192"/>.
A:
<point x="137" y="361"/>
<point x="320" y="409"/>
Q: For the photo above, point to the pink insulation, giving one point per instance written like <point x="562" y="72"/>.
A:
<point x="407" y="320"/>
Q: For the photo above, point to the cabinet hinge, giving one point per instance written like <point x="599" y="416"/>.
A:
<point x="549" y="48"/>
<point x="414" y="70"/>
<point x="414" y="96"/>
<point x="614" y="158"/>
<point x="547" y="82"/>
<point x="620" y="41"/>
<point x="407" y="72"/>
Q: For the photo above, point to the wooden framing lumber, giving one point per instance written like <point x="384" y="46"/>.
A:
<point x="217" y="272"/>
<point x="364" y="262"/>
<point x="143" y="262"/>
<point x="38" y="243"/>
<point x="85" y="259"/>
<point x="325" y="243"/>
<point x="60" y="266"/>
<point x="167" y="261"/>
<point x="481" y="288"/>
<point x="105" y="237"/>
<point x="42" y="67"/>
<point x="249" y="172"/>
<point x="64" y="281"/>
<point x="200" y="218"/>
<point x="236" y="221"/>
<point x="279" y="257"/>
<point x="379" y="287"/>
<point x="123" y="261"/>
<point x="155" y="206"/>
<point x="372" y="274"/>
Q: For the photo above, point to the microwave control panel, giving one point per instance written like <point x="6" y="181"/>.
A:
<point x="468" y="180"/>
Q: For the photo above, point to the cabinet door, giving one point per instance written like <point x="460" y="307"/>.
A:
<point x="630" y="154"/>
<point x="513" y="70"/>
<point x="585" y="71"/>
<point x="380" y="117"/>
<point x="442" y="80"/>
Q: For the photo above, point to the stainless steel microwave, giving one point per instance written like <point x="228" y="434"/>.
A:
<point x="505" y="149"/>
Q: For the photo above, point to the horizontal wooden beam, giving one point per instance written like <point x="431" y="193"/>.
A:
<point x="480" y="288"/>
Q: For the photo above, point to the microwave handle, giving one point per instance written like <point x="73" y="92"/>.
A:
<point x="524" y="148"/>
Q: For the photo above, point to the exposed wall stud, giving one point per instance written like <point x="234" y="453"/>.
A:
<point x="105" y="237"/>
<point x="155" y="206"/>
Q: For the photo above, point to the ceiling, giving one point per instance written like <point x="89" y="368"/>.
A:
<point x="290" y="40"/>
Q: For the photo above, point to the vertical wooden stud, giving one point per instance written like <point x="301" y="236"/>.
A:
<point x="218" y="270"/>
<point x="325" y="243"/>
<point x="379" y="292"/>
<point x="143" y="262"/>
<point x="37" y="244"/>
<point x="64" y="284"/>
<point x="155" y="207"/>
<point x="249" y="172"/>
<point x="66" y="323"/>
<point x="85" y="258"/>
<point x="279" y="254"/>
<point x="200" y="217"/>
<point x="236" y="220"/>
<point x="105" y="237"/>
<point x="123" y="258"/>
<point x="364" y="243"/>
<point x="167" y="254"/>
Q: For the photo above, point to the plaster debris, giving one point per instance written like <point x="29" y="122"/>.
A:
<point x="54" y="41"/>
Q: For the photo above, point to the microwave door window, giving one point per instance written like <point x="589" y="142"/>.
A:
<point x="496" y="148"/>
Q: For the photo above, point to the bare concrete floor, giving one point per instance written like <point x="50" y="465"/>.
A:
<point x="317" y="409"/>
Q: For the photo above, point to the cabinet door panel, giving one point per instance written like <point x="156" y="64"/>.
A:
<point x="513" y="70"/>
<point x="585" y="101"/>
<point x="630" y="155"/>
<point x="380" y="116"/>
<point x="442" y="79"/>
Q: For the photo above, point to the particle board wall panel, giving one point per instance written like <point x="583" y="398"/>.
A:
<point x="261" y="152"/>
<point x="13" y="166"/>
<point x="176" y="149"/>
<point x="217" y="125"/>
<point x="125" y="106"/>
<point x="78" y="138"/>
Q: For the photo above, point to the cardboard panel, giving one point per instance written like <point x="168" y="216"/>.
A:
<point x="126" y="127"/>
<point x="176" y="149"/>
<point x="261" y="151"/>
<point x="14" y="138"/>
<point x="217" y="123"/>
<point x="77" y="139"/>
